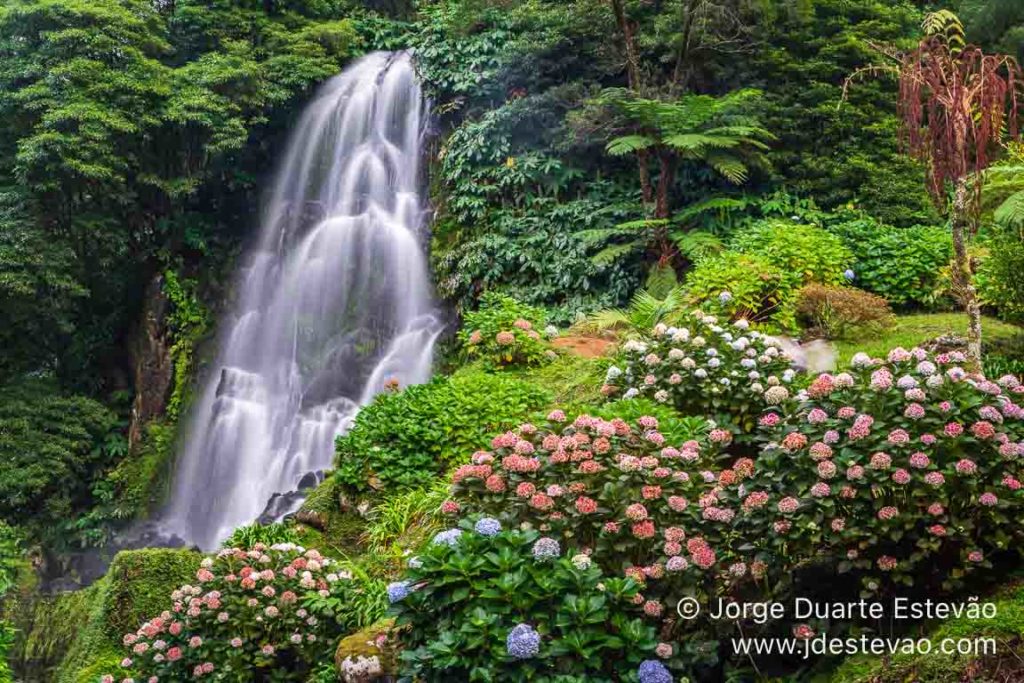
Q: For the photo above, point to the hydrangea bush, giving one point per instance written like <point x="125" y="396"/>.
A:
<point x="243" y="616"/>
<point x="904" y="469"/>
<point x="485" y="603"/>
<point x="666" y="515"/>
<point x="504" y="332"/>
<point x="725" y="371"/>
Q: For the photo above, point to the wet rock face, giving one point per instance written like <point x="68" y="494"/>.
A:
<point x="152" y="368"/>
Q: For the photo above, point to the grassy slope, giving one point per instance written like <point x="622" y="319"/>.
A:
<point x="1007" y="628"/>
<point x="911" y="330"/>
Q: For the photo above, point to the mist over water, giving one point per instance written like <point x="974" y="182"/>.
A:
<point x="333" y="303"/>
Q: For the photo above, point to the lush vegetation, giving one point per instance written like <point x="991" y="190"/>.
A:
<point x="735" y="293"/>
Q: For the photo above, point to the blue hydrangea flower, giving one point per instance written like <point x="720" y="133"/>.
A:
<point x="398" y="591"/>
<point x="546" y="549"/>
<point x="523" y="642"/>
<point x="725" y="297"/>
<point x="849" y="274"/>
<point x="653" y="671"/>
<point x="448" y="538"/>
<point x="488" y="526"/>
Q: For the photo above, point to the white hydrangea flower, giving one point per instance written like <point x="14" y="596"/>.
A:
<point x="860" y="360"/>
<point x="844" y="380"/>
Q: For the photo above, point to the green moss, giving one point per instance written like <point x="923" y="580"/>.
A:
<point x="75" y="637"/>
<point x="1006" y="627"/>
<point x="140" y="585"/>
<point x="141" y="480"/>
<point x="363" y="644"/>
<point x="911" y="330"/>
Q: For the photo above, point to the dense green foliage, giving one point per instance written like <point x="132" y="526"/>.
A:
<point x="125" y="142"/>
<point x="605" y="164"/>
<point x="50" y="446"/>
<point x="900" y="264"/>
<point x="580" y="614"/>
<point x="418" y="432"/>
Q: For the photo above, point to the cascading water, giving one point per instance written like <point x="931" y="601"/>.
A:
<point x="334" y="303"/>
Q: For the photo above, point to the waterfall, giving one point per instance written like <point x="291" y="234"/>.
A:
<point x="333" y="303"/>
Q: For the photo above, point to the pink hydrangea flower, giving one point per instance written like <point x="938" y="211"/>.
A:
<point x="966" y="466"/>
<point x="888" y="512"/>
<point x="788" y="505"/>
<point x="919" y="460"/>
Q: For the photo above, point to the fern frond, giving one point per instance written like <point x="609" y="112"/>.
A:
<point x="627" y="144"/>
<point x="729" y="167"/>
<point x="1011" y="212"/>
<point x="613" y="253"/>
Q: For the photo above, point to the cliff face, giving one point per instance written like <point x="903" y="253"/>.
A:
<point x="152" y="365"/>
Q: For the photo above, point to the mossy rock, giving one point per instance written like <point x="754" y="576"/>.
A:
<point x="75" y="637"/>
<point x="141" y="582"/>
<point x="376" y="644"/>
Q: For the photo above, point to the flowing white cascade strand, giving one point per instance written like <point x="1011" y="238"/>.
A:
<point x="333" y="304"/>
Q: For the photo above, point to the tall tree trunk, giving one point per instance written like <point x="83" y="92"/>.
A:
<point x="635" y="84"/>
<point x="963" y="279"/>
<point x="666" y="176"/>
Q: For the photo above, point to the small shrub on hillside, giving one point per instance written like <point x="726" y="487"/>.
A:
<point x="267" y="534"/>
<point x="483" y="603"/>
<point x="727" y="372"/>
<point x="898" y="264"/>
<point x="838" y="312"/>
<point x="999" y="276"/>
<point x="904" y="470"/>
<point x="404" y="438"/>
<point x="806" y="253"/>
<point x="243" y="620"/>
<point x="744" y="286"/>
<point x="504" y="332"/>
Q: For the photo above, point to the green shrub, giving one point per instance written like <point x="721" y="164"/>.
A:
<point x="10" y="557"/>
<point x="745" y="286"/>
<point x="504" y="332"/>
<point x="806" y="253"/>
<point x="405" y="438"/>
<point x="838" y="312"/>
<point x="898" y="264"/>
<point x="267" y="534"/>
<point x="999" y="276"/>
<point x="486" y="608"/>
<point x="52" y="447"/>
<point x="6" y="641"/>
